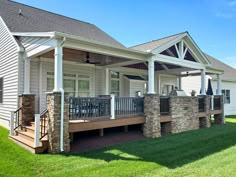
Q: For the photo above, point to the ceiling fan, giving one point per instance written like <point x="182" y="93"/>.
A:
<point x="88" y="60"/>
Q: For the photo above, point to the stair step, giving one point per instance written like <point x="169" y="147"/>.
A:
<point x="29" y="145"/>
<point x="26" y="135"/>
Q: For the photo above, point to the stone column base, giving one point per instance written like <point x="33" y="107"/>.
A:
<point x="54" y="128"/>
<point x="152" y="126"/>
<point x="27" y="104"/>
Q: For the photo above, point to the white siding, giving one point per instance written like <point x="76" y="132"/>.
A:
<point x="192" y="83"/>
<point x="9" y="72"/>
<point x="136" y="86"/>
<point x="100" y="81"/>
<point x="167" y="80"/>
<point x="126" y="87"/>
<point x="34" y="84"/>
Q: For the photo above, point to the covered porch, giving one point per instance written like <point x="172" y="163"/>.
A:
<point x="85" y="85"/>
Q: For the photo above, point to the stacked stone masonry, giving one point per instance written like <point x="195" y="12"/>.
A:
<point x="27" y="104"/>
<point x="54" y="109"/>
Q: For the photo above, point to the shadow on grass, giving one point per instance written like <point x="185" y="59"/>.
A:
<point x="171" y="151"/>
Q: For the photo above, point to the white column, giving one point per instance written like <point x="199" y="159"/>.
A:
<point x="12" y="123"/>
<point x="203" y="82"/>
<point x="151" y="76"/>
<point x="107" y="78"/>
<point x="26" y="75"/>
<point x="180" y="83"/>
<point x="218" y="85"/>
<point x="36" y="130"/>
<point x="112" y="106"/>
<point x="58" y="65"/>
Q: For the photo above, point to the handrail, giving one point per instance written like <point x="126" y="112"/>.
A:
<point x="17" y="116"/>
<point x="43" y="123"/>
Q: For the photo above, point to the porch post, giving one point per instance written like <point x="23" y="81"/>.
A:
<point x="180" y="83"/>
<point x="107" y="82"/>
<point x="151" y="76"/>
<point x="218" y="85"/>
<point x="58" y="71"/>
<point x="26" y="75"/>
<point x="203" y="82"/>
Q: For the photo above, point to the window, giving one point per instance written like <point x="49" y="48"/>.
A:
<point x="83" y="88"/>
<point x="226" y="96"/>
<point x="1" y="90"/>
<point x="69" y="83"/>
<point x="115" y="83"/>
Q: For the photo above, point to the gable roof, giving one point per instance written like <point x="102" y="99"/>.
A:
<point x="229" y="72"/>
<point x="156" y="43"/>
<point x="37" y="20"/>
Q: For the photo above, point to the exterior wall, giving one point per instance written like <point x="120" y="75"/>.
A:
<point x="193" y="83"/>
<point x="229" y="109"/>
<point x="136" y="86"/>
<point x="9" y="71"/>
<point x="164" y="79"/>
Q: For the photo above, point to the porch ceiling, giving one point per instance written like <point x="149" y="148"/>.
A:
<point x="80" y="57"/>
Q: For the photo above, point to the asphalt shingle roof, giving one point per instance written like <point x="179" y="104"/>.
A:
<point x="155" y="43"/>
<point x="37" y="20"/>
<point x="229" y="72"/>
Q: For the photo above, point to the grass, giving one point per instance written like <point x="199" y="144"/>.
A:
<point x="204" y="152"/>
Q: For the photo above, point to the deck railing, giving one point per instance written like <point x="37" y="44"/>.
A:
<point x="127" y="106"/>
<point x="201" y="104"/>
<point x="18" y="122"/>
<point x="89" y="107"/>
<point x="164" y="105"/>
<point x="217" y="102"/>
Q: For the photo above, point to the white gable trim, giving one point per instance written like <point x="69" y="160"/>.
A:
<point x="192" y="46"/>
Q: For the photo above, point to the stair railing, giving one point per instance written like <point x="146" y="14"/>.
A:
<point x="41" y="129"/>
<point x="15" y="121"/>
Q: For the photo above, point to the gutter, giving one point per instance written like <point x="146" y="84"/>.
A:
<point x="61" y="90"/>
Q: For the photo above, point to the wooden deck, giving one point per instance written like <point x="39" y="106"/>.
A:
<point x="212" y="112"/>
<point x="85" y="125"/>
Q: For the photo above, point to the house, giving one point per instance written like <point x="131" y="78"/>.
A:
<point x="59" y="76"/>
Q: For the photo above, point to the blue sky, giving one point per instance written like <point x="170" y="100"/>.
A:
<point x="211" y="23"/>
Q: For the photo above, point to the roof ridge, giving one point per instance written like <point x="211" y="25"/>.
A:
<point x="159" y="39"/>
<point x="50" y="12"/>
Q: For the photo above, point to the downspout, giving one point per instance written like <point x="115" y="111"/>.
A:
<point x="62" y="108"/>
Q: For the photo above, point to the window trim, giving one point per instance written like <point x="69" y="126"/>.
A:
<point x="115" y="79"/>
<point x="76" y="78"/>
<point x="225" y="97"/>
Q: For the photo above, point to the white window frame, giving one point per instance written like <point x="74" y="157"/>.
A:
<point x="76" y="77"/>
<point x="115" y="79"/>
<point x="224" y="91"/>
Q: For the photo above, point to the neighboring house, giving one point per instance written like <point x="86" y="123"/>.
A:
<point x="228" y="84"/>
<point x="43" y="52"/>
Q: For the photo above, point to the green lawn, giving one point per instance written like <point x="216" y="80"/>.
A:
<point x="205" y="152"/>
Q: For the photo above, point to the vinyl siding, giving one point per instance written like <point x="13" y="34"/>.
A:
<point x="9" y="72"/>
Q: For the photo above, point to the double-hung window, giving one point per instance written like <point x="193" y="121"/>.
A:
<point x="1" y="90"/>
<point x="226" y="96"/>
<point x="115" y="83"/>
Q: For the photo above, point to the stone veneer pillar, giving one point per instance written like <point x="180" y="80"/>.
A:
<point x="184" y="113"/>
<point x="219" y="118"/>
<point x="205" y="122"/>
<point x="54" y="124"/>
<point x="27" y="104"/>
<point x="152" y="126"/>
